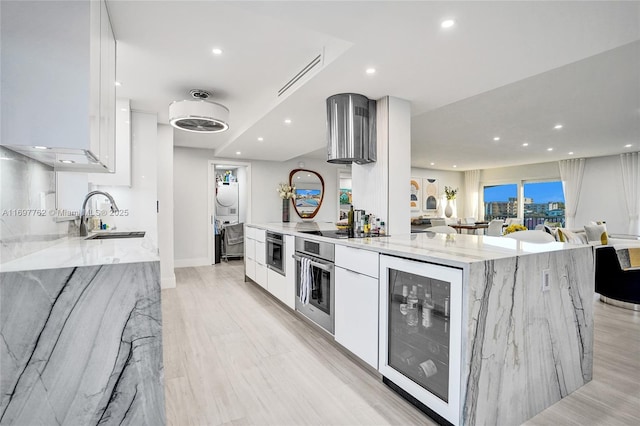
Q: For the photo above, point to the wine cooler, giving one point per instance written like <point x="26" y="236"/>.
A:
<point x="420" y="333"/>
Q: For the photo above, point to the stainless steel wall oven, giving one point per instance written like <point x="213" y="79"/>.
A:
<point x="320" y="257"/>
<point x="275" y="250"/>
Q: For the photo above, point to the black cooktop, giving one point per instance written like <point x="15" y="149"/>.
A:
<point x="341" y="234"/>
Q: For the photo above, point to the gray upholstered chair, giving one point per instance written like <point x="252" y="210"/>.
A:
<point x="438" y="222"/>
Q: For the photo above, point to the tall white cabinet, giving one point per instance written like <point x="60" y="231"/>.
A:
<point x="58" y="83"/>
<point x="356" y="302"/>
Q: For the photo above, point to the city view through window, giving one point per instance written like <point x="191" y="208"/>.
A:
<point x="543" y="203"/>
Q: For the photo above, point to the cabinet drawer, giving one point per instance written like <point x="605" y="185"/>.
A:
<point x="250" y="232"/>
<point x="261" y="235"/>
<point x="250" y="268"/>
<point x="261" y="254"/>
<point x="261" y="275"/>
<point x="249" y="248"/>
<point x="357" y="260"/>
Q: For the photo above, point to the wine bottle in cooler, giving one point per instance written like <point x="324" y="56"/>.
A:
<point x="412" y="307"/>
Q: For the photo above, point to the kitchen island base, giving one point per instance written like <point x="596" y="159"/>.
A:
<point x="82" y="345"/>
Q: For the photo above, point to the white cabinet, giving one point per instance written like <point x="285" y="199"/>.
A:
<point x="123" y="154"/>
<point x="283" y="287"/>
<point x="255" y="255"/>
<point x="356" y="302"/>
<point x="249" y="253"/>
<point x="58" y="83"/>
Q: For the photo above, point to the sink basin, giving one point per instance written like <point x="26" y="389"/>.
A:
<point x="111" y="235"/>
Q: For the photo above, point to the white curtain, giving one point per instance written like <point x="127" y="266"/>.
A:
<point x="571" y="172"/>
<point x="471" y="188"/>
<point x="631" y="185"/>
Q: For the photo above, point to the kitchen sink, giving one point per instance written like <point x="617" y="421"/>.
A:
<point x="111" y="235"/>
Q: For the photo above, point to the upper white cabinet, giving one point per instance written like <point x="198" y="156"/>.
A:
<point x="122" y="175"/>
<point x="58" y="83"/>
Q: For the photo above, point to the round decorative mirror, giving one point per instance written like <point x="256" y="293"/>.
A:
<point x="309" y="192"/>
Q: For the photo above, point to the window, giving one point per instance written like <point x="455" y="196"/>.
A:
<point x="543" y="203"/>
<point x="500" y="201"/>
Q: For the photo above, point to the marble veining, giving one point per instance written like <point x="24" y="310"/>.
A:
<point x="527" y="349"/>
<point x="82" y="345"/>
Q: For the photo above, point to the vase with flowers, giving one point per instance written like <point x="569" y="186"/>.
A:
<point x="450" y="194"/>
<point x="287" y="192"/>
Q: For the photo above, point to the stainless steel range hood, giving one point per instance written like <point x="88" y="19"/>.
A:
<point x="351" y="129"/>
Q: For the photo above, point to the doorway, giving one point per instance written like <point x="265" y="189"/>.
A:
<point x="229" y="205"/>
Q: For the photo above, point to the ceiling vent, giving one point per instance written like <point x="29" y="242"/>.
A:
<point x="199" y="115"/>
<point x="304" y="71"/>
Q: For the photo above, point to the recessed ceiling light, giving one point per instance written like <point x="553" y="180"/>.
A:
<point x="40" y="147"/>
<point x="287" y="121"/>
<point x="454" y="166"/>
<point x="260" y="138"/>
<point x="525" y="144"/>
<point x="549" y="149"/>
<point x="238" y="153"/>
<point x="67" y="161"/>
<point x="118" y="83"/>
<point x="629" y="145"/>
<point x="570" y="152"/>
<point x="497" y="138"/>
<point x="433" y="164"/>
<point x="448" y="23"/>
<point x="217" y="51"/>
<point x="558" y="126"/>
<point x="371" y="71"/>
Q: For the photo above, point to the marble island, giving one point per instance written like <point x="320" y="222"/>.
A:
<point x="81" y="332"/>
<point x="523" y="345"/>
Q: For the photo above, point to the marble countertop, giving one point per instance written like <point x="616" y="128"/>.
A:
<point x="458" y="250"/>
<point x="77" y="251"/>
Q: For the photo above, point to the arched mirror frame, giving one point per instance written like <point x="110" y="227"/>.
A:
<point x="295" y="207"/>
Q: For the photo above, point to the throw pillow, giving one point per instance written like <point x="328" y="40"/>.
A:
<point x="597" y="234"/>
<point x="571" y="237"/>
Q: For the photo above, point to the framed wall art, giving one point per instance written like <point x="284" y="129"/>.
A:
<point x="430" y="190"/>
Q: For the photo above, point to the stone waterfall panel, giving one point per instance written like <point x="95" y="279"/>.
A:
<point x="527" y="349"/>
<point x="82" y="346"/>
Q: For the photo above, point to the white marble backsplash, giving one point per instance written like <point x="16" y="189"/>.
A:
<point x="26" y="185"/>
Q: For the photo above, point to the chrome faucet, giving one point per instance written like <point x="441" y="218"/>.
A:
<point x="83" y="226"/>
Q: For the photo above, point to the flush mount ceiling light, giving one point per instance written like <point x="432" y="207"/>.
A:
<point x="447" y="23"/>
<point x="199" y="115"/>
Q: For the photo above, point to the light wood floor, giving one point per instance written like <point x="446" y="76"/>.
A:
<point x="232" y="355"/>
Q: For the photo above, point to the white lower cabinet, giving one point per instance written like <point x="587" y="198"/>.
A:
<point x="356" y="314"/>
<point x="250" y="268"/>
<point x="261" y="263"/>
<point x="283" y="287"/>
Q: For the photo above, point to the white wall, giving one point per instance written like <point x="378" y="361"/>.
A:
<point x="165" y="204"/>
<point x="139" y="199"/>
<point x="517" y="173"/>
<point x="191" y="221"/>
<point x="445" y="178"/>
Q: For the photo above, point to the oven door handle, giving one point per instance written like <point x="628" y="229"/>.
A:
<point x="324" y="266"/>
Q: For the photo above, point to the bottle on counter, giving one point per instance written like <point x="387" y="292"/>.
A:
<point x="350" y="228"/>
<point x="412" y="307"/>
<point x="427" y="310"/>
<point x="403" y="301"/>
<point x="383" y="229"/>
<point x="377" y="225"/>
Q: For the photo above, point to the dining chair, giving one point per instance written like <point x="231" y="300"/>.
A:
<point x="531" y="236"/>
<point x="438" y="222"/>
<point x="514" y="221"/>
<point x="495" y="228"/>
<point x="469" y="220"/>
<point x="442" y="229"/>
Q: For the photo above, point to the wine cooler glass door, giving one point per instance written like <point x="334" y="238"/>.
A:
<point x="420" y="344"/>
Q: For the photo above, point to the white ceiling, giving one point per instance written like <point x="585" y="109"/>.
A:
<point x="508" y="69"/>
